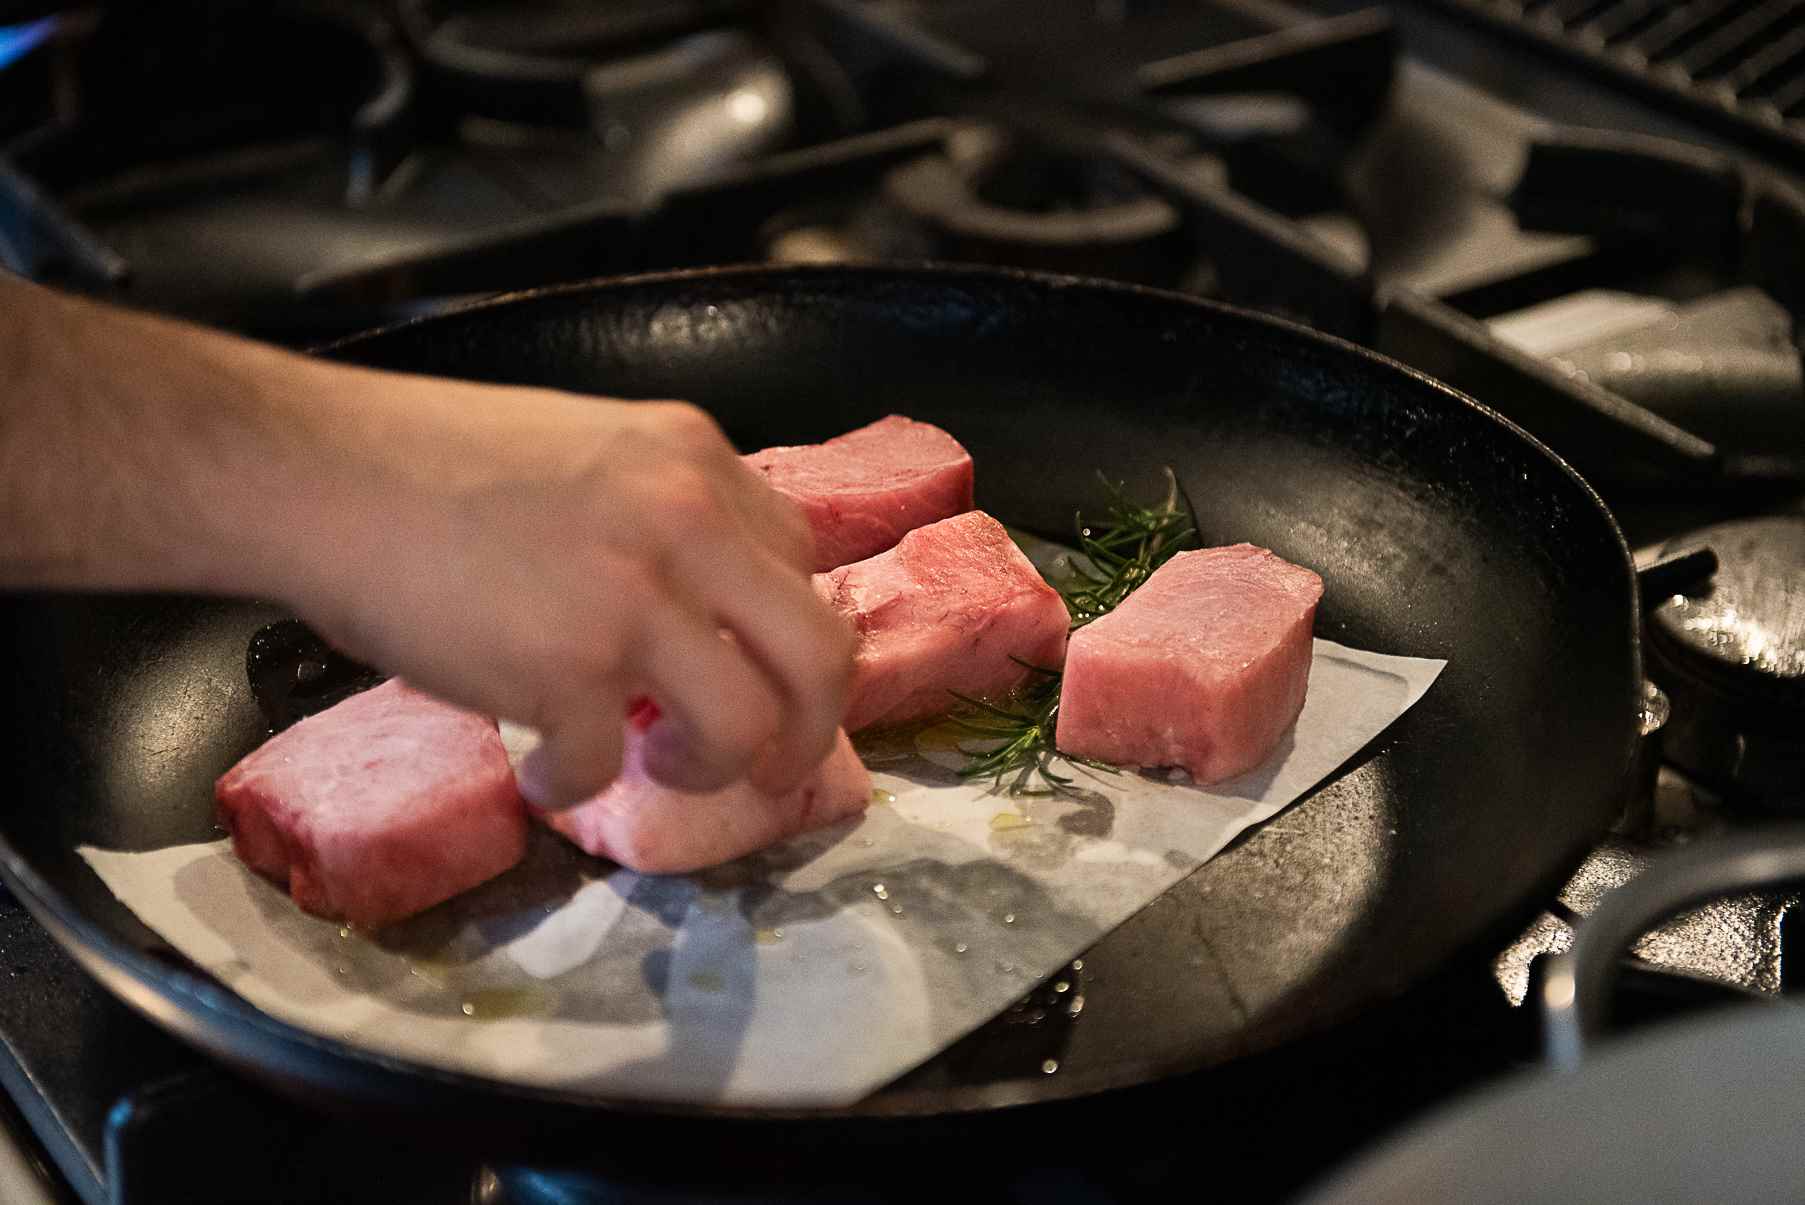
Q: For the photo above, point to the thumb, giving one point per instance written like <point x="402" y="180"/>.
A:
<point x="579" y="756"/>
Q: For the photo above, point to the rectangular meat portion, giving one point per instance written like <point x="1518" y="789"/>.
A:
<point x="654" y="829"/>
<point x="377" y="808"/>
<point x="862" y="491"/>
<point x="945" y="610"/>
<point x="1204" y="666"/>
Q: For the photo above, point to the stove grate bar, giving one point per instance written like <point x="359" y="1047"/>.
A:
<point x="1327" y="60"/>
<point x="1736" y="65"/>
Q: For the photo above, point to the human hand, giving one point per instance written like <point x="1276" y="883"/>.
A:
<point x="550" y="559"/>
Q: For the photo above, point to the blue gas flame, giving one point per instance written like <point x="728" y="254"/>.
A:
<point x="17" y="41"/>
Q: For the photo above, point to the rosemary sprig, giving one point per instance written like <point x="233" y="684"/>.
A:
<point x="1025" y="730"/>
<point x="1122" y="551"/>
<point x="1119" y="553"/>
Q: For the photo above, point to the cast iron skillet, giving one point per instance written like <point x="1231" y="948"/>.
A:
<point x="1440" y="530"/>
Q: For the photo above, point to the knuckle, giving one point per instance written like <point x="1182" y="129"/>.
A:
<point x="688" y="499"/>
<point x="632" y="584"/>
<point x="691" y="427"/>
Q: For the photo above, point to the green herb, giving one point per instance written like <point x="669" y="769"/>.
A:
<point x="1026" y="732"/>
<point x="1119" y="553"/>
<point x="1123" y="550"/>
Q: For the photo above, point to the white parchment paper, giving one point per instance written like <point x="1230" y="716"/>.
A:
<point x="810" y="974"/>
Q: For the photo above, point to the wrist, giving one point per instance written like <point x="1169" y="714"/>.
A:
<point x="251" y="451"/>
<point x="142" y="454"/>
<point x="304" y="503"/>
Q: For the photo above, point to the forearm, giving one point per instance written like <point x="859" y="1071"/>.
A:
<point x="142" y="454"/>
<point x="523" y="552"/>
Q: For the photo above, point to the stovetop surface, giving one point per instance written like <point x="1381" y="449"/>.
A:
<point x="1418" y="197"/>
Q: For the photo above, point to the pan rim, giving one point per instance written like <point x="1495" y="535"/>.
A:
<point x="217" y="1021"/>
<point x="929" y="269"/>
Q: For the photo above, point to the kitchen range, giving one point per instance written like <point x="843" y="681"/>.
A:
<point x="1581" y="212"/>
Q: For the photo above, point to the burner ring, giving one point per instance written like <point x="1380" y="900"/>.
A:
<point x="479" y="54"/>
<point x="1109" y="224"/>
<point x="1129" y="236"/>
<point x="932" y="189"/>
<point x="159" y="95"/>
<point x="1731" y="657"/>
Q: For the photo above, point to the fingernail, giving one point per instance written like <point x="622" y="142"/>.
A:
<point x="666" y="748"/>
<point x="669" y="757"/>
<point x="534" y="776"/>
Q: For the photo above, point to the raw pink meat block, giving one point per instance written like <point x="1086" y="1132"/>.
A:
<point x="377" y="808"/>
<point x="654" y="829"/>
<point x="862" y="491"/>
<point x="945" y="610"/>
<point x="1204" y="666"/>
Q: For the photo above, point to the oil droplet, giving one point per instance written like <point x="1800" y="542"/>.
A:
<point x="1006" y="968"/>
<point x="866" y="842"/>
<point x="880" y="891"/>
<point x="1049" y="1067"/>
<point x="344" y="930"/>
<point x="1008" y="918"/>
<point x="1076" y="1006"/>
<point x="941" y="738"/>
<point x="856" y="968"/>
<point x="880" y="797"/>
<point x="896" y="909"/>
<point x="492" y="1004"/>
<point x="1062" y="986"/>
<point x="1077" y="964"/>
<point x="1002" y="822"/>
<point x="960" y="947"/>
<point x="432" y="970"/>
<point x="707" y="981"/>
<point x="768" y="937"/>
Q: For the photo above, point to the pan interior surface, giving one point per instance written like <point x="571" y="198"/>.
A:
<point x="1439" y="531"/>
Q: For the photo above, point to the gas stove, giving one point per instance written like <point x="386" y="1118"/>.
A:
<point x="1583" y="213"/>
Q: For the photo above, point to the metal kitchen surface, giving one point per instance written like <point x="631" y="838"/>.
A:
<point x="1583" y="214"/>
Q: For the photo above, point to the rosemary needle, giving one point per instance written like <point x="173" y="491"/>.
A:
<point x="1119" y="553"/>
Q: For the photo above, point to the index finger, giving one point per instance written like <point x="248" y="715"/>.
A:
<point x="800" y="644"/>
<point x="776" y="519"/>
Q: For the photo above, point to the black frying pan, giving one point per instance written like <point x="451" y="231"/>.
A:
<point x="1439" y="529"/>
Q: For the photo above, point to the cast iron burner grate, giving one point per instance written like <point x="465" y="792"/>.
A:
<point x="1737" y="63"/>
